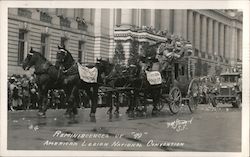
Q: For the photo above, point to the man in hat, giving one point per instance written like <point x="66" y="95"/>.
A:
<point x="26" y="93"/>
<point x="11" y="89"/>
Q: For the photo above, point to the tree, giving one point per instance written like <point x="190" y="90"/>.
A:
<point x="133" y="52"/>
<point x="119" y="55"/>
<point x="149" y="50"/>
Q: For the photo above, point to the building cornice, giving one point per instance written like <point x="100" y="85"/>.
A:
<point x="221" y="17"/>
<point x="45" y="24"/>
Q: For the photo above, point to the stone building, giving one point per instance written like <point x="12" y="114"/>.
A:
<point x="216" y="35"/>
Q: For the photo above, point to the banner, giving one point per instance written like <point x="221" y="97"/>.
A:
<point x="88" y="75"/>
<point x="154" y="77"/>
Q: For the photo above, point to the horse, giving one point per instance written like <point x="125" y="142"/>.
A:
<point x="133" y="78"/>
<point x="143" y="90"/>
<point x="73" y="79"/>
<point x="48" y="77"/>
<point x="118" y="77"/>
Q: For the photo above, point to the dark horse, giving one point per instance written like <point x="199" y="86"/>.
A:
<point x="47" y="77"/>
<point x="144" y="90"/>
<point x="120" y="79"/>
<point x="72" y="78"/>
<point x="132" y="81"/>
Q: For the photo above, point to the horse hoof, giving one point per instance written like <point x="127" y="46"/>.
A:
<point x="130" y="113"/>
<point x="109" y="112"/>
<point x="154" y="112"/>
<point x="66" y="113"/>
<point x="129" y="110"/>
<point x="41" y="114"/>
<point x="73" y="122"/>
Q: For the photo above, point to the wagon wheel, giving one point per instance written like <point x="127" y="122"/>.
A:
<point x="174" y="100"/>
<point x="193" y="95"/>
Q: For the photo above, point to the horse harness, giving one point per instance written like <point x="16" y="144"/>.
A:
<point x="43" y="69"/>
<point x="72" y="70"/>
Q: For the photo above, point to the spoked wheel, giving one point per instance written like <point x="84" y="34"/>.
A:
<point x="193" y="94"/>
<point x="174" y="100"/>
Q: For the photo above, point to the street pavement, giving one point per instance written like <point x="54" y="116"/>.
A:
<point x="209" y="129"/>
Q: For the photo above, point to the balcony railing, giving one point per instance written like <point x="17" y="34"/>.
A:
<point x="64" y="21"/>
<point x="82" y="24"/>
<point x="45" y="17"/>
<point x="24" y="12"/>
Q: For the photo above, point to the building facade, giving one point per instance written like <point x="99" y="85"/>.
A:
<point x="216" y="35"/>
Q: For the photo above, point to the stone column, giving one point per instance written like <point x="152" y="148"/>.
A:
<point x="190" y="25"/>
<point x="240" y="45"/>
<point x="210" y="36"/>
<point x="111" y="33"/>
<point x="126" y="17"/>
<point x="97" y="33"/>
<point x="152" y="18"/>
<point x="197" y="31"/>
<point x="126" y="21"/>
<point x="204" y="35"/>
<point x="139" y="17"/>
<point x="227" y="42"/>
<point x="178" y="22"/>
<point x="165" y="20"/>
<point x="233" y="42"/>
<point x="216" y="38"/>
<point x="184" y="23"/>
<point x="221" y="40"/>
<point x="146" y="17"/>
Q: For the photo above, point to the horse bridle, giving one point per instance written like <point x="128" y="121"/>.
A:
<point x="64" y="53"/>
<point x="29" y="56"/>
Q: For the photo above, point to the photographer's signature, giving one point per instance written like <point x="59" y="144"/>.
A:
<point x="179" y="125"/>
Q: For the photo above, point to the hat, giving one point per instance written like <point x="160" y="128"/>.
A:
<point x="98" y="59"/>
<point x="62" y="48"/>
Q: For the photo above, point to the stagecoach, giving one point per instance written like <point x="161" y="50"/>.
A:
<point x="179" y="88"/>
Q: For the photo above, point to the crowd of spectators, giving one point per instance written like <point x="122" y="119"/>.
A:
<point x="23" y="94"/>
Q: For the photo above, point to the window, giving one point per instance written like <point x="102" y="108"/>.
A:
<point x="80" y="51"/>
<point x="64" y="42"/>
<point x="22" y="45"/>
<point x="44" y="44"/>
